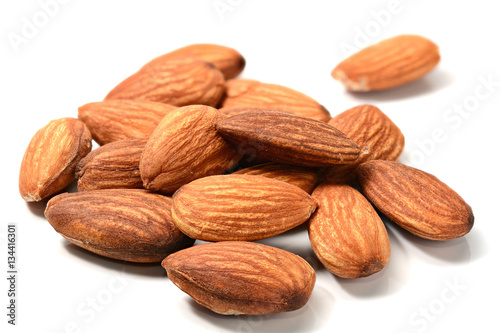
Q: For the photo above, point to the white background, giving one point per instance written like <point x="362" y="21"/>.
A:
<point x="86" y="47"/>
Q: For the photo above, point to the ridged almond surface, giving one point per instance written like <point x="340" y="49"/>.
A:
<point x="131" y="225"/>
<point x="290" y="139"/>
<point x="227" y="60"/>
<point x="177" y="81"/>
<point x="115" y="165"/>
<point x="255" y="94"/>
<point x="114" y="120"/>
<point x="50" y="159"/>
<point x="185" y="146"/>
<point x="239" y="207"/>
<point x="415" y="200"/>
<point x="388" y="64"/>
<point x="346" y="233"/>
<point x="376" y="135"/>
<point x="242" y="278"/>
<point x="302" y="177"/>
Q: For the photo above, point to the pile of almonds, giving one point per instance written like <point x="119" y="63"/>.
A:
<point x="190" y="152"/>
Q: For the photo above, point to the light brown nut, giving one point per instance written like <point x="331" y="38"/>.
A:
<point x="290" y="139"/>
<point x="415" y="200"/>
<point x="302" y="177"/>
<point x="227" y="60"/>
<point x="239" y="207"/>
<point x="388" y="64"/>
<point x="114" y="120"/>
<point x="115" y="165"/>
<point x="49" y="162"/>
<point x="376" y="135"/>
<point x="255" y="94"/>
<point x="185" y="146"/>
<point x="131" y="225"/>
<point x="346" y="233"/>
<point x="177" y="81"/>
<point x="242" y="278"/>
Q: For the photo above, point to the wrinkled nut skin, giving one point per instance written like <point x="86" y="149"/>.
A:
<point x="254" y="94"/>
<point x="114" y="120"/>
<point x="124" y="224"/>
<point x="227" y="60"/>
<point x="242" y="278"/>
<point x="239" y="208"/>
<point x="179" y="81"/>
<point x="115" y="165"/>
<point x="374" y="132"/>
<point x="346" y="233"/>
<point x="50" y="159"/>
<point x="415" y="200"/>
<point x="286" y="138"/>
<point x="388" y="64"/>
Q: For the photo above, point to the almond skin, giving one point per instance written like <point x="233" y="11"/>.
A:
<point x="376" y="135"/>
<point x="242" y="278"/>
<point x="415" y="200"/>
<point x="50" y="159"/>
<point x="115" y="165"/>
<point x="239" y="207"/>
<point x="227" y="60"/>
<point x="255" y="94"/>
<point x="114" y="120"/>
<point x="177" y="81"/>
<point x="346" y="233"/>
<point x="388" y="64"/>
<point x="302" y="177"/>
<point x="185" y="146"/>
<point x="130" y="225"/>
<point x="290" y="139"/>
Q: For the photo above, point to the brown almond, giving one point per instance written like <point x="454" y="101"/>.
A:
<point x="50" y="159"/>
<point x="242" y="278"/>
<point x="415" y="200"/>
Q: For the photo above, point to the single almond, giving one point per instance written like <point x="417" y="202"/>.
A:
<point x="242" y="278"/>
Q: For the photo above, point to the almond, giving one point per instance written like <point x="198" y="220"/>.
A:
<point x="388" y="64"/>
<point x="255" y="94"/>
<point x="290" y="139"/>
<point x="131" y="225"/>
<point x="178" y="82"/>
<point x="346" y="233"/>
<point x="376" y="135"/>
<point x="185" y="146"/>
<point x="115" y="165"/>
<point x="114" y="120"/>
<point x="239" y="207"/>
<point x="227" y="60"/>
<point x="415" y="200"/>
<point x="242" y="278"/>
<point x="50" y="159"/>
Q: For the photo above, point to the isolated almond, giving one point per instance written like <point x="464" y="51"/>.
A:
<point x="177" y="81"/>
<point x="185" y="146"/>
<point x="346" y="233"/>
<point x="115" y="165"/>
<point x="415" y="200"/>
<point x="302" y="177"/>
<point x="290" y="139"/>
<point x="49" y="162"/>
<point x="388" y="64"/>
<point x="131" y="225"/>
<point x="227" y="60"/>
<point x="376" y="135"/>
<point x="255" y="94"/>
<point x="114" y="120"/>
<point x="239" y="207"/>
<point x="242" y="278"/>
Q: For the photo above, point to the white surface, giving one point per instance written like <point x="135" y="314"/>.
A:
<point x="87" y="47"/>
